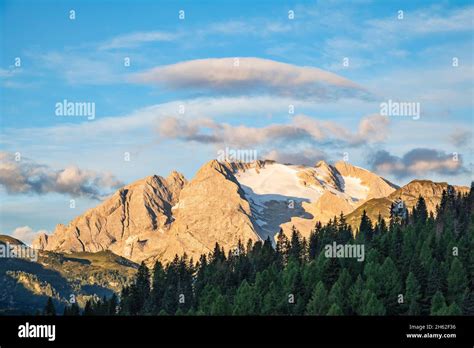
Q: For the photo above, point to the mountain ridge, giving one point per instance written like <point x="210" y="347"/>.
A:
<point x="156" y="218"/>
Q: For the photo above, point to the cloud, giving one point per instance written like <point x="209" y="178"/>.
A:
<point x="426" y="21"/>
<point x="80" y="69"/>
<point x="302" y="128"/>
<point x="26" y="234"/>
<point x="231" y="27"/>
<point x="12" y="78"/>
<point x="364" y="40"/>
<point x="245" y="76"/>
<point x="26" y="176"/>
<point x="418" y="161"/>
<point x="307" y="156"/>
<point x="460" y="137"/>
<point x="256" y="27"/>
<point x="136" y="39"/>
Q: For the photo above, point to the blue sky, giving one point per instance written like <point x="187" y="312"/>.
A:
<point x="191" y="62"/>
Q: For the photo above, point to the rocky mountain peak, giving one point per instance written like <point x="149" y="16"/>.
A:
<point x="156" y="218"/>
<point x="377" y="186"/>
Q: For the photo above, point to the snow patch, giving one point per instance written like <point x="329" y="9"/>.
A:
<point x="354" y="188"/>
<point x="277" y="182"/>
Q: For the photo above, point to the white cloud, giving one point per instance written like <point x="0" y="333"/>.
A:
<point x="253" y="26"/>
<point x="426" y="21"/>
<point x="247" y="76"/>
<point x="302" y="128"/>
<point x="80" y="68"/>
<point x="26" y="176"/>
<point x="26" y="234"/>
<point x="136" y="39"/>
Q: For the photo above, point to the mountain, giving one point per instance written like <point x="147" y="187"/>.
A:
<point x="429" y="190"/>
<point x="212" y="208"/>
<point x="289" y="195"/>
<point x="376" y="185"/>
<point x="26" y="283"/>
<point x="130" y="223"/>
<point x="157" y="218"/>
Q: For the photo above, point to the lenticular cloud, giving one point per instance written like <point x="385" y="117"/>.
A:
<point x="252" y="76"/>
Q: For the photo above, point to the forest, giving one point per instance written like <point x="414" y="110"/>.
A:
<point x="418" y="263"/>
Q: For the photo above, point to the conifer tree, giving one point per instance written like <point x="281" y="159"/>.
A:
<point x="335" y="310"/>
<point x="365" y="227"/>
<point x="318" y="304"/>
<point x="438" y="304"/>
<point x="49" y="309"/>
<point x="412" y="295"/>
<point x="456" y="282"/>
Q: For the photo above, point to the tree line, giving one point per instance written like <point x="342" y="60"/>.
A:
<point x="419" y="263"/>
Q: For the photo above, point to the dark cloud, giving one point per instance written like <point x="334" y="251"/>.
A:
<point x="307" y="157"/>
<point x="460" y="137"/>
<point x="417" y="162"/>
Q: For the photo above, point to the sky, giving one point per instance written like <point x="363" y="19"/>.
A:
<point x="167" y="85"/>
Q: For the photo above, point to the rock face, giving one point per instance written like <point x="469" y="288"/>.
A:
<point x="377" y="186"/>
<point x="320" y="193"/>
<point x="129" y="223"/>
<point x="157" y="218"/>
<point x="212" y="208"/>
<point x="431" y="192"/>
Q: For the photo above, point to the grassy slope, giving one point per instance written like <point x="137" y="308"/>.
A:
<point x="25" y="285"/>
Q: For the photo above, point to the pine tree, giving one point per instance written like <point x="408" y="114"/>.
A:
<point x="365" y="227"/>
<point x="371" y="305"/>
<point x="390" y="286"/>
<point x="421" y="212"/>
<point x="457" y="282"/>
<point x="244" y="301"/>
<point x="140" y="290"/>
<point x="220" y="306"/>
<point x="412" y="295"/>
<point x="355" y="295"/>
<point x="318" y="304"/>
<point x="274" y="301"/>
<point x="207" y="298"/>
<point x="49" y="309"/>
<point x="335" y="310"/>
<point x="453" y="309"/>
<point x="438" y="304"/>
<point x="282" y="247"/>
<point x="296" y="249"/>
<point x="314" y="242"/>
<point x="468" y="303"/>
<point x="111" y="305"/>
<point x="157" y="288"/>
<point x="337" y="297"/>
<point x="72" y="310"/>
<point x="88" y="308"/>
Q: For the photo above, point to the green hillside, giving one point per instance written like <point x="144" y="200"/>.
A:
<point x="26" y="285"/>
